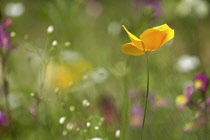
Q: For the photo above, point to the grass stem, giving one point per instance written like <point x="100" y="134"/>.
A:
<point x="147" y="94"/>
<point x="125" y="101"/>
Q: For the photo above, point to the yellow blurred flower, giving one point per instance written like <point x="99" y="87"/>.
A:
<point x="198" y="84"/>
<point x="189" y="127"/>
<point x="60" y="75"/>
<point x="181" y="100"/>
<point x="66" y="72"/>
<point x="150" y="40"/>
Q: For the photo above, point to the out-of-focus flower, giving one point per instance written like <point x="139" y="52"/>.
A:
<point x="54" y="43"/>
<point x="155" y="5"/>
<point x="33" y="111"/>
<point x="60" y="75"/>
<point x="69" y="126"/>
<point x="14" y="9"/>
<point x="117" y="133"/>
<point x="12" y="34"/>
<point x="208" y="101"/>
<point x="67" y="71"/>
<point x="5" y="41"/>
<point x="150" y="40"/>
<point x="67" y="44"/>
<point x="4" y="119"/>
<point x="7" y="22"/>
<point x="94" y="8"/>
<point x="85" y="103"/>
<point x="189" y="127"/>
<point x="201" y="82"/>
<point x="195" y="101"/>
<point x="96" y="127"/>
<point x="64" y="133"/>
<point x="99" y="75"/>
<point x="88" y="124"/>
<point x="187" y="63"/>
<point x="198" y="8"/>
<point x="50" y="29"/>
<point x="189" y="91"/>
<point x="159" y="102"/>
<point x="185" y="98"/>
<point x="181" y="101"/>
<point x="136" y="117"/>
<point x="72" y="108"/>
<point x="190" y="96"/>
<point x="4" y="35"/>
<point x="108" y="109"/>
<point x="62" y="120"/>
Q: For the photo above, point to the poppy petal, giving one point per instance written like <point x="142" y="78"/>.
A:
<point x="170" y="35"/>
<point x="130" y="49"/>
<point x="155" y="37"/>
<point x="136" y="41"/>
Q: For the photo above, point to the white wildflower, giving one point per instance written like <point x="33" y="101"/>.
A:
<point x="14" y="9"/>
<point x="62" y="120"/>
<point x="187" y="63"/>
<point x="50" y="29"/>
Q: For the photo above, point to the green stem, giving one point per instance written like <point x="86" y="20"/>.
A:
<point x="45" y="63"/>
<point x="125" y="102"/>
<point x="145" y="108"/>
<point x="5" y="84"/>
<point x="206" y="129"/>
<point x="43" y="75"/>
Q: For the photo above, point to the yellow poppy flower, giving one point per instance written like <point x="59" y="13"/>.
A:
<point x="150" y="40"/>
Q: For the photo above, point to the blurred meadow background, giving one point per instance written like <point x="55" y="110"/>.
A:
<point x="63" y="75"/>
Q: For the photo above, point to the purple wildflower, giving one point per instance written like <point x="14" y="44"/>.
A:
<point x="136" y="117"/>
<point x="108" y="109"/>
<point x="157" y="101"/>
<point x="7" y="22"/>
<point x="208" y="101"/>
<point x="4" y="120"/>
<point x="32" y="111"/>
<point x="201" y="82"/>
<point x="188" y="93"/>
<point x="153" y="4"/>
<point x="5" y="36"/>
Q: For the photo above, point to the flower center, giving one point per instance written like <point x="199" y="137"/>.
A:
<point x="198" y="84"/>
<point x="181" y="100"/>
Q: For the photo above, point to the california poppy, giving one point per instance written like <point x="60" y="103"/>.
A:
<point x="150" y="40"/>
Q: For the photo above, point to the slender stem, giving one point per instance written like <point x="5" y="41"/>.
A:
<point x="125" y="102"/>
<point x="145" y="108"/>
<point x="5" y="85"/>
<point x="206" y="129"/>
<point x="42" y="77"/>
<point x="45" y="63"/>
